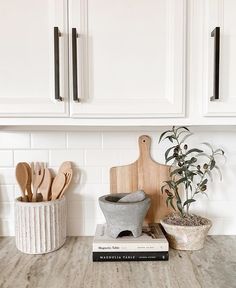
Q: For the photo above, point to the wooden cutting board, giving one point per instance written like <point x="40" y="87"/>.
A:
<point x="145" y="174"/>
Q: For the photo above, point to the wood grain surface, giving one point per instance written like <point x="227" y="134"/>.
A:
<point x="145" y="174"/>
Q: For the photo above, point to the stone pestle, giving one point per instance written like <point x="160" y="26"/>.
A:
<point x="133" y="197"/>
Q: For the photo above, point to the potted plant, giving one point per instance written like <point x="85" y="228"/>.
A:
<point x="190" y="171"/>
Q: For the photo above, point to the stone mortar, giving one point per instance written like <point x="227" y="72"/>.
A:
<point x="123" y="216"/>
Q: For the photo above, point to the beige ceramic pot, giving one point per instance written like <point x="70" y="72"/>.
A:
<point x="186" y="237"/>
<point x="40" y="227"/>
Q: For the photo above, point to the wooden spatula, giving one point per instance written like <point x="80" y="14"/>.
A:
<point x="28" y="186"/>
<point x="45" y="186"/>
<point x="22" y="179"/>
<point x="37" y="178"/>
<point x="68" y="175"/>
<point x="58" y="185"/>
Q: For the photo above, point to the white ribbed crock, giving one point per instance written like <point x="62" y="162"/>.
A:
<point x="40" y="227"/>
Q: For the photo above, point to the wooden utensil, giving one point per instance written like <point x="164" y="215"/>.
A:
<point x="144" y="174"/>
<point x="37" y="178"/>
<point x="58" y="185"/>
<point x="68" y="174"/>
<point x="22" y="179"/>
<point x="45" y="186"/>
<point x="65" y="166"/>
<point x="28" y="186"/>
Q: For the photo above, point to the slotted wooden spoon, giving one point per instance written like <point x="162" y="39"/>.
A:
<point x="22" y="179"/>
<point x="68" y="175"/>
<point x="65" y="166"/>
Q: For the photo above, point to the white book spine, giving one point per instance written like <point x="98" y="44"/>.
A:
<point x="130" y="247"/>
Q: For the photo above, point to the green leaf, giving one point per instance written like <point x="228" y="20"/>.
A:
<point x="179" y="206"/>
<point x="162" y="188"/>
<point x="219" y="150"/>
<point x="189" y="201"/>
<point x="178" y="135"/>
<point x="185" y="138"/>
<point x="194" y="150"/>
<point x="213" y="163"/>
<point x="182" y="127"/>
<point x="210" y="175"/>
<point x="176" y="171"/>
<point x="181" y="180"/>
<point x="219" y="172"/>
<point x="170" y="138"/>
<point x="209" y="146"/>
<point x="163" y="134"/>
<point x="170" y="158"/>
<point x="168" y="151"/>
<point x="204" y="182"/>
<point x="171" y="203"/>
<point x="170" y="183"/>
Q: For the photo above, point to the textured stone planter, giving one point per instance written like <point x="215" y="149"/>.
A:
<point x="40" y="227"/>
<point x="186" y="237"/>
<point x="123" y="216"/>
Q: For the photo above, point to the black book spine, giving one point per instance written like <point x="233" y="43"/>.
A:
<point x="130" y="256"/>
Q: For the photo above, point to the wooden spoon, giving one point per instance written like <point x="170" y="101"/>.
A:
<point x="65" y="166"/>
<point x="22" y="179"/>
<point x="58" y="185"/>
<point x="68" y="175"/>
<point x="28" y="186"/>
<point x="45" y="186"/>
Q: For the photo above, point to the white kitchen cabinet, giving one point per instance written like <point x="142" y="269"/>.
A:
<point x="219" y="13"/>
<point x="27" y="76"/>
<point x="130" y="58"/>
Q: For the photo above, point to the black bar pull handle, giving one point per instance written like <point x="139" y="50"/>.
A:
<point x="74" y="65"/>
<point x="57" y="34"/>
<point x="216" y="80"/>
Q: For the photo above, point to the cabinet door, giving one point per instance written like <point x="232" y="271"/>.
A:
<point x="131" y="58"/>
<point x="220" y="13"/>
<point x="27" y="81"/>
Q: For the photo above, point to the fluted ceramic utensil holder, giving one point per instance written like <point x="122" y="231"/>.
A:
<point x="40" y="227"/>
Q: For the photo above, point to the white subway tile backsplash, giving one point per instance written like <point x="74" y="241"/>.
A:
<point x="30" y="156"/>
<point x="120" y="140"/>
<point x="75" y="227"/>
<point x="128" y="156"/>
<point x="102" y="158"/>
<point x="7" y="227"/>
<point x="75" y="209"/>
<point x="6" y="158"/>
<point x="59" y="156"/>
<point x="11" y="140"/>
<point x="90" y="174"/>
<point x="84" y="140"/>
<point x="48" y="140"/>
<point x="6" y="210"/>
<point x="93" y="154"/>
<point x="7" y="176"/>
<point x="7" y="193"/>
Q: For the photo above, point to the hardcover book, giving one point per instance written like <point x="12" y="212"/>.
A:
<point x="151" y="240"/>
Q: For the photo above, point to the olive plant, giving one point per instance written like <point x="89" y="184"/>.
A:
<point x="188" y="172"/>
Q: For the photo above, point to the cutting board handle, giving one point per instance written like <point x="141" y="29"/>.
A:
<point x="144" y="147"/>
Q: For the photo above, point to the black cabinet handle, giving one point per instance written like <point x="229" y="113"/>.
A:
<point x="57" y="34"/>
<point x="74" y="65"/>
<point x="216" y="80"/>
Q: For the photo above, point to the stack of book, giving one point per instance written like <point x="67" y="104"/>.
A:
<point x="152" y="245"/>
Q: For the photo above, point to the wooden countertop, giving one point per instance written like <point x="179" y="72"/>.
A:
<point x="71" y="266"/>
